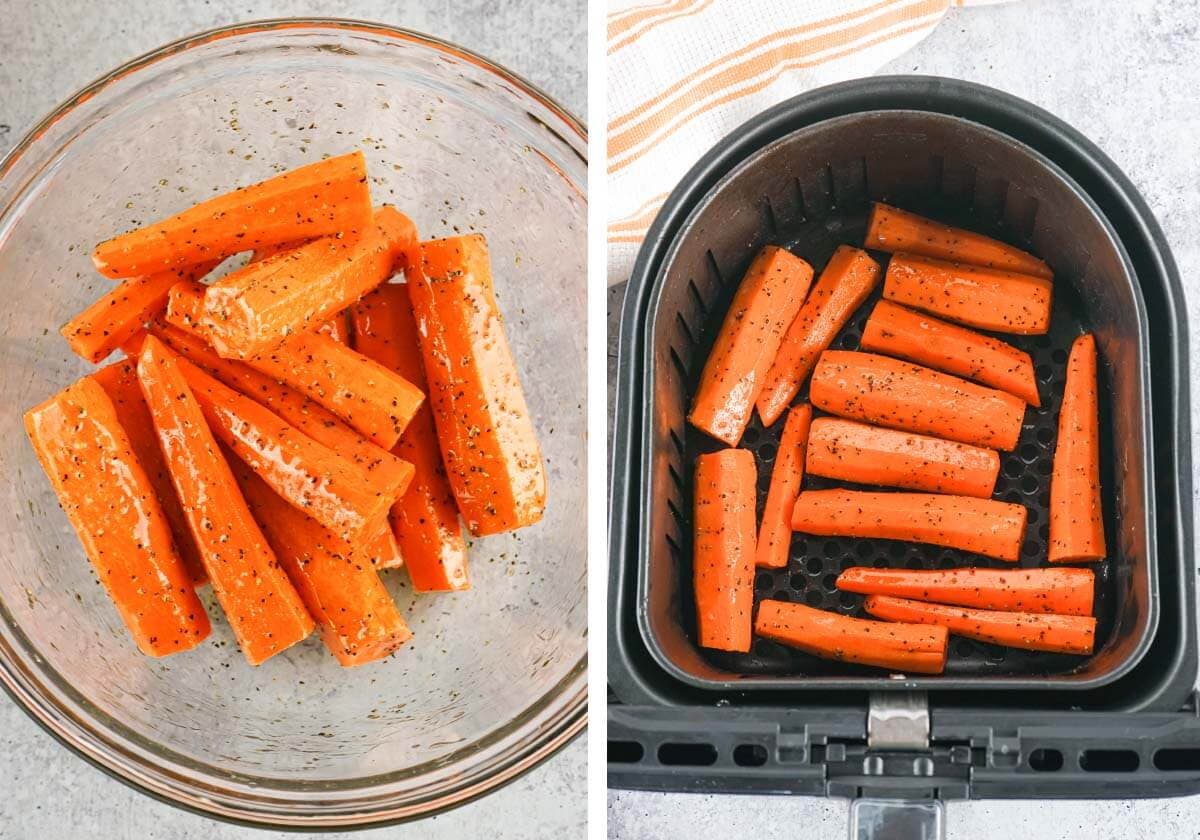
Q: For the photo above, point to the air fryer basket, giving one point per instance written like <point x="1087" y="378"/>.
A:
<point x="810" y="191"/>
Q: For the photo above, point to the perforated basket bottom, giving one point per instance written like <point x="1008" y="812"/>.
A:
<point x="814" y="562"/>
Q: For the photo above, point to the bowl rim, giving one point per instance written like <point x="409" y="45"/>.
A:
<point x="94" y="745"/>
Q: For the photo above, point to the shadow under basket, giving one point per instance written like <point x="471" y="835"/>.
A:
<point x="810" y="192"/>
<point x="1000" y="722"/>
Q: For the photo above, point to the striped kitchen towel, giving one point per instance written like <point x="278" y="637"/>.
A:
<point x="684" y="73"/>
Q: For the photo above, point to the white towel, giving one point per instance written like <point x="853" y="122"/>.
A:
<point x="684" y="73"/>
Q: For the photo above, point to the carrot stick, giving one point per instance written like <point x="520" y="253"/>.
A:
<point x="375" y="401"/>
<point x="339" y="586"/>
<point x="898" y="395"/>
<point x="849" y="451"/>
<point x="112" y="504"/>
<point x="319" y="199"/>
<point x="384" y="548"/>
<point x="724" y="548"/>
<point x="119" y="380"/>
<point x="254" y="309"/>
<point x="113" y="319"/>
<point x="268" y="251"/>
<point x="766" y="302"/>
<point x="1062" y="591"/>
<point x="381" y="468"/>
<point x="486" y="433"/>
<point x="982" y="526"/>
<point x="425" y="520"/>
<point x="337" y="327"/>
<point x="907" y="648"/>
<point x="310" y="476"/>
<point x="842" y="287"/>
<point x="262" y="606"/>
<point x="986" y="298"/>
<point x="1030" y="631"/>
<point x="1076" y="517"/>
<point x="895" y="331"/>
<point x="775" y="532"/>
<point x="894" y="230"/>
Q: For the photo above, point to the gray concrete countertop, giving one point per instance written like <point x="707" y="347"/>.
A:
<point x="1125" y="74"/>
<point x="48" y="50"/>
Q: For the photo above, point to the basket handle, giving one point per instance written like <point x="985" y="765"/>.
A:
<point x="897" y="819"/>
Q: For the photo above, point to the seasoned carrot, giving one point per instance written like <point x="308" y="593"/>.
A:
<point x="899" y="395"/>
<point x="766" y="302"/>
<point x="486" y="433"/>
<point x="723" y="564"/>
<point x="982" y="526"/>
<point x="254" y="309"/>
<point x="425" y="519"/>
<point x="340" y="587"/>
<point x="262" y="606"/>
<point x="319" y="199"/>
<point x="907" y="648"/>
<point x="775" y="532"/>
<point x="112" y="504"/>
<point x="845" y="283"/>
<point x="384" y="548"/>
<point x="337" y="327"/>
<point x="1076" y="517"/>
<point x="309" y="475"/>
<point x="1062" y="591"/>
<point x="375" y="401"/>
<point x="850" y="451"/>
<point x="268" y="251"/>
<point x="895" y="331"/>
<point x="113" y="319"/>
<point x="986" y="298"/>
<point x="894" y="230"/>
<point x="119" y="380"/>
<point x="381" y="468"/>
<point x="1030" y="631"/>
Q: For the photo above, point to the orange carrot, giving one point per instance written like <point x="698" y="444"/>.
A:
<point x="1030" y="631"/>
<point x="1076" y="517"/>
<point x="907" y="648"/>
<point x="849" y="451"/>
<point x="488" y="442"/>
<point x="1061" y="591"/>
<point x="898" y="395"/>
<point x="112" y="504"/>
<point x="425" y="519"/>
<point x="766" y="301"/>
<point x="384" y="548"/>
<point x="319" y="199"/>
<point x="845" y="283"/>
<point x="381" y="468"/>
<point x="723" y="565"/>
<point x="891" y="229"/>
<point x="337" y="327"/>
<point x="119" y="380"/>
<point x="113" y="319"/>
<point x="262" y="606"/>
<point x="268" y="251"/>
<point x="982" y="526"/>
<point x="375" y="401"/>
<point x="310" y="476"/>
<point x="986" y="298"/>
<point x="254" y="309"/>
<point x="341" y="589"/>
<point x="775" y="532"/>
<point x="896" y="331"/>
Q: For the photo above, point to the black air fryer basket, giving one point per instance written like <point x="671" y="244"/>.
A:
<point x="999" y="722"/>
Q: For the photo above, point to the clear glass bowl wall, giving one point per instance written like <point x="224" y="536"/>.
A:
<point x="494" y="679"/>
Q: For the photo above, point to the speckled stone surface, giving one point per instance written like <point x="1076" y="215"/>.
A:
<point x="1126" y="74"/>
<point x="48" y="50"/>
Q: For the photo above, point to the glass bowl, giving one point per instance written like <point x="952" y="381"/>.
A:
<point x="495" y="679"/>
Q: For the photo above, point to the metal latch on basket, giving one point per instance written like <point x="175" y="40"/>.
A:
<point x="898" y="720"/>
